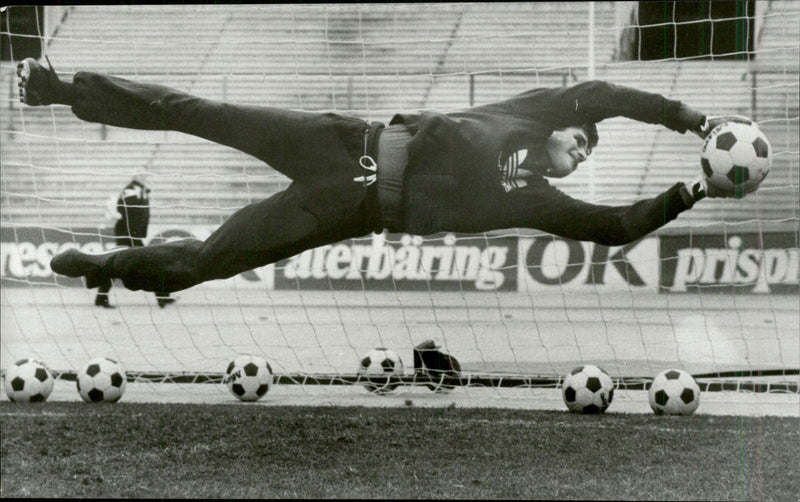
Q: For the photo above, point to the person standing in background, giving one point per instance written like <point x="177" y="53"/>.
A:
<point x="131" y="212"/>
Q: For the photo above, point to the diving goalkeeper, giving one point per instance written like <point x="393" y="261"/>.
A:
<point x="481" y="169"/>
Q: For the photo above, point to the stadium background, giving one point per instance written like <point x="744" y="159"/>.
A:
<point x="522" y="302"/>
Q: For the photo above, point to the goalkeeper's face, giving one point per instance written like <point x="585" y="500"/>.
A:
<point x="566" y="148"/>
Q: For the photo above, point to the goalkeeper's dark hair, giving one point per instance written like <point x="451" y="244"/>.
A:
<point x="590" y="128"/>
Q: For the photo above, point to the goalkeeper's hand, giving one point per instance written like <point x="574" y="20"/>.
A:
<point x="700" y="188"/>
<point x="709" y="123"/>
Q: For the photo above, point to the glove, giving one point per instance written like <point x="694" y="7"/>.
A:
<point x="700" y="188"/>
<point x="431" y="364"/>
<point x="709" y="123"/>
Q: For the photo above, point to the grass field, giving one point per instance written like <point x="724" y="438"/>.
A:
<point x="63" y="449"/>
<point x="191" y="440"/>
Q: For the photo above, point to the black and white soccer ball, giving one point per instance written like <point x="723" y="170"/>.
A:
<point x="736" y="158"/>
<point x="380" y="369"/>
<point x="249" y="377"/>
<point x="588" y="389"/>
<point x="101" y="380"/>
<point x="674" y="392"/>
<point x="29" y="380"/>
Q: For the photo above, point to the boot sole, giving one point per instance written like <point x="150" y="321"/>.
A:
<point x="24" y="74"/>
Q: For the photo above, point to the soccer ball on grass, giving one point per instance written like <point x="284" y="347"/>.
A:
<point x="29" y="380"/>
<point x="588" y="389"/>
<point x="674" y="392"/>
<point x="381" y="368"/>
<point x="101" y="380"/>
<point x="736" y="158"/>
<point x="249" y="378"/>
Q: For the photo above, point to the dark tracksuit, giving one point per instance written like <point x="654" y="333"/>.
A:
<point x="453" y="180"/>
<point x="133" y="205"/>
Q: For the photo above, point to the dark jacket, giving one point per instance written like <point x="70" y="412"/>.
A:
<point x="454" y="183"/>
<point x="134" y="206"/>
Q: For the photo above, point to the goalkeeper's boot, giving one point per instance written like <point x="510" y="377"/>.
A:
<point x="164" y="299"/>
<point x="39" y="86"/>
<point x="73" y="263"/>
<point x="431" y="365"/>
<point x="101" y="300"/>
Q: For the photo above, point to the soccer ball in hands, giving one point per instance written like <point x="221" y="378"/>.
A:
<point x="29" y="380"/>
<point x="248" y="378"/>
<point x="382" y="369"/>
<point x="674" y="392"/>
<point x="588" y="389"/>
<point x="736" y="158"/>
<point x="101" y="380"/>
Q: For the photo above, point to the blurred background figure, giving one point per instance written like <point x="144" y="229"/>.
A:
<point x="130" y="210"/>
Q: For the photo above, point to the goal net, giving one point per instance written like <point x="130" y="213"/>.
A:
<point x="714" y="292"/>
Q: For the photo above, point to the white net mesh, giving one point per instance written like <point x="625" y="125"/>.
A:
<point x="513" y="303"/>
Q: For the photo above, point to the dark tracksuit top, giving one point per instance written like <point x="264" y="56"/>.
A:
<point x="458" y="179"/>
<point x="134" y="206"/>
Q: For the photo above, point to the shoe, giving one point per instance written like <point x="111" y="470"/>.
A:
<point x="37" y="86"/>
<point x="163" y="302"/>
<point x="73" y="263"/>
<point x="430" y="364"/>
<point x="101" y="300"/>
<point x="422" y="348"/>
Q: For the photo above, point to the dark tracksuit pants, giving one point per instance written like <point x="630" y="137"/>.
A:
<point x="319" y="152"/>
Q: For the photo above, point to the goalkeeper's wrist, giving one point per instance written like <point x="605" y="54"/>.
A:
<point x="703" y="126"/>
<point x="692" y="119"/>
<point x="692" y="192"/>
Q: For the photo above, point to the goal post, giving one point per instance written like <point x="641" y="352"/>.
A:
<point x="715" y="292"/>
